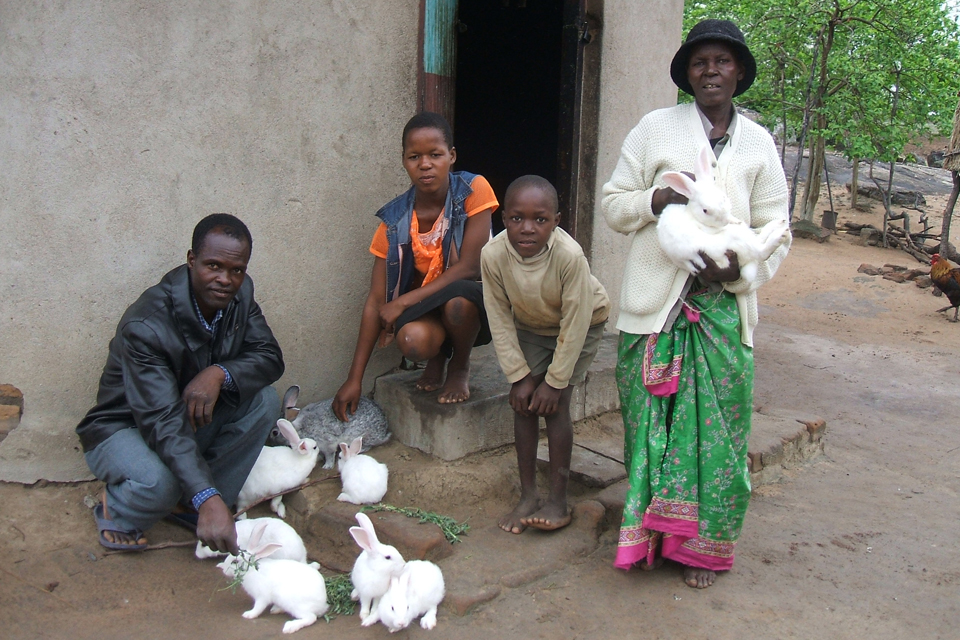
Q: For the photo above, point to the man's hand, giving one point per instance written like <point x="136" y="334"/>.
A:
<point x="216" y="528"/>
<point x="201" y="395"/>
<point x="520" y="394"/>
<point x="713" y="273"/>
<point x="545" y="400"/>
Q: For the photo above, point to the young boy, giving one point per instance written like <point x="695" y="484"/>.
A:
<point x="546" y="314"/>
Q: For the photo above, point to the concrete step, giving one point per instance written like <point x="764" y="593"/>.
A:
<point x="485" y="421"/>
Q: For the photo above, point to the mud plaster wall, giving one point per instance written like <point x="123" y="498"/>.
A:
<point x="639" y="40"/>
<point x="122" y="124"/>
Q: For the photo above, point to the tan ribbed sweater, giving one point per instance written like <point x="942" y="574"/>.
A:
<point x="748" y="169"/>
<point x="550" y="294"/>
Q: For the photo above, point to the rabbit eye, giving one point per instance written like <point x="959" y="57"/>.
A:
<point x="706" y="212"/>
<point x="389" y="557"/>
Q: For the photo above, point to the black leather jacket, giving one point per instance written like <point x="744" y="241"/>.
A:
<point x="159" y="347"/>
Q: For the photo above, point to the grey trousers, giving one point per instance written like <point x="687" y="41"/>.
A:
<point x="140" y="488"/>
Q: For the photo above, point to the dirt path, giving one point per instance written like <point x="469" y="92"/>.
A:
<point x="861" y="543"/>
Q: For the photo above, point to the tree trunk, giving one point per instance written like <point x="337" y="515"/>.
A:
<point x="854" y="180"/>
<point x="948" y="213"/>
<point x="811" y="191"/>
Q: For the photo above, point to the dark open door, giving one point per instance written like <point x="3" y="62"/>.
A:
<point x="510" y="75"/>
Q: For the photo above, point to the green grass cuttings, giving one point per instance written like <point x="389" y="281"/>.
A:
<point x="452" y="530"/>
<point x="338" y="596"/>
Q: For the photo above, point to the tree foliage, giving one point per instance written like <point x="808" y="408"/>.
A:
<point x="864" y="76"/>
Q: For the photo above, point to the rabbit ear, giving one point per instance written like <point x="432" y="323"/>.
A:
<point x="362" y="538"/>
<point x="256" y="534"/>
<point x="367" y="524"/>
<point x="356" y="445"/>
<point x="679" y="183"/>
<point x="266" y="550"/>
<point x="344" y="452"/>
<point x="290" y="402"/>
<point x="702" y="169"/>
<point x="289" y="432"/>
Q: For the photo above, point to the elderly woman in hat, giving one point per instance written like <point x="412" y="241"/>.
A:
<point x="686" y="448"/>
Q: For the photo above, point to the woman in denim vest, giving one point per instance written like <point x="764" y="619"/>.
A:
<point x="424" y="291"/>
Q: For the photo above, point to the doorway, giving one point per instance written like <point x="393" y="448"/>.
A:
<point x="510" y="77"/>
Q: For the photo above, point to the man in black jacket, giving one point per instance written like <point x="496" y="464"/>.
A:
<point x="185" y="402"/>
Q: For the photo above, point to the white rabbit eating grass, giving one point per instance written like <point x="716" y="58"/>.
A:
<point x="417" y="592"/>
<point x="705" y="224"/>
<point x="283" y="585"/>
<point x="373" y="569"/>
<point x="279" y="469"/>
<point x="275" y="531"/>
<point x="364" y="479"/>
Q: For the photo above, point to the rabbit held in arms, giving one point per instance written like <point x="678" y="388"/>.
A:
<point x="705" y="224"/>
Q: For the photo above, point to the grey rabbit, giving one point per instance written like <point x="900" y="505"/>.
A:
<point x="318" y="422"/>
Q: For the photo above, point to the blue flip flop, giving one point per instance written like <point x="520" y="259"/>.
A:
<point x="103" y="524"/>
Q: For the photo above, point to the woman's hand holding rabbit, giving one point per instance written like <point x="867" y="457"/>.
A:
<point x="665" y="195"/>
<point x="713" y="273"/>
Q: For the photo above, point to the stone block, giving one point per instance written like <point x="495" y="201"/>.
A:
<point x="868" y="269"/>
<point x="923" y="282"/>
<point x="600" y="386"/>
<point x="895" y="276"/>
<point x="810" y="231"/>
<point x="461" y="601"/>
<point x="613" y="498"/>
<point x="450" y="431"/>
<point x="329" y="527"/>
<point x="586" y="467"/>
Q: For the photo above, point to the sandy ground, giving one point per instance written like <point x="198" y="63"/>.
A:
<point x="861" y="543"/>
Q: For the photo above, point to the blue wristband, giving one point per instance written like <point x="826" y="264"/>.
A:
<point x="203" y="496"/>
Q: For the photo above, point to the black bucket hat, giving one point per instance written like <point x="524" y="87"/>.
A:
<point x="714" y="31"/>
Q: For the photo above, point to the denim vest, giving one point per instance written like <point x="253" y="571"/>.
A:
<point x="397" y="215"/>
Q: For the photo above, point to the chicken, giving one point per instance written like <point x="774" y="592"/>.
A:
<point x="948" y="281"/>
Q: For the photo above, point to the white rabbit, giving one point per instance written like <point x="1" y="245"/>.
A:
<point x="417" y="592"/>
<point x="706" y="224"/>
<point x="275" y="531"/>
<point x="373" y="569"/>
<point x="364" y="479"/>
<point x="287" y="585"/>
<point x="279" y="469"/>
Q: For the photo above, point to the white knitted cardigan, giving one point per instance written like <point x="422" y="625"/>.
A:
<point x="750" y="172"/>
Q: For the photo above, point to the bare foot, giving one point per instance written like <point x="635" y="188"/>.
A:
<point x="119" y="537"/>
<point x="697" y="578"/>
<point x="551" y="516"/>
<point x="457" y="386"/>
<point x="432" y="377"/>
<point x="657" y="563"/>
<point x="513" y="521"/>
